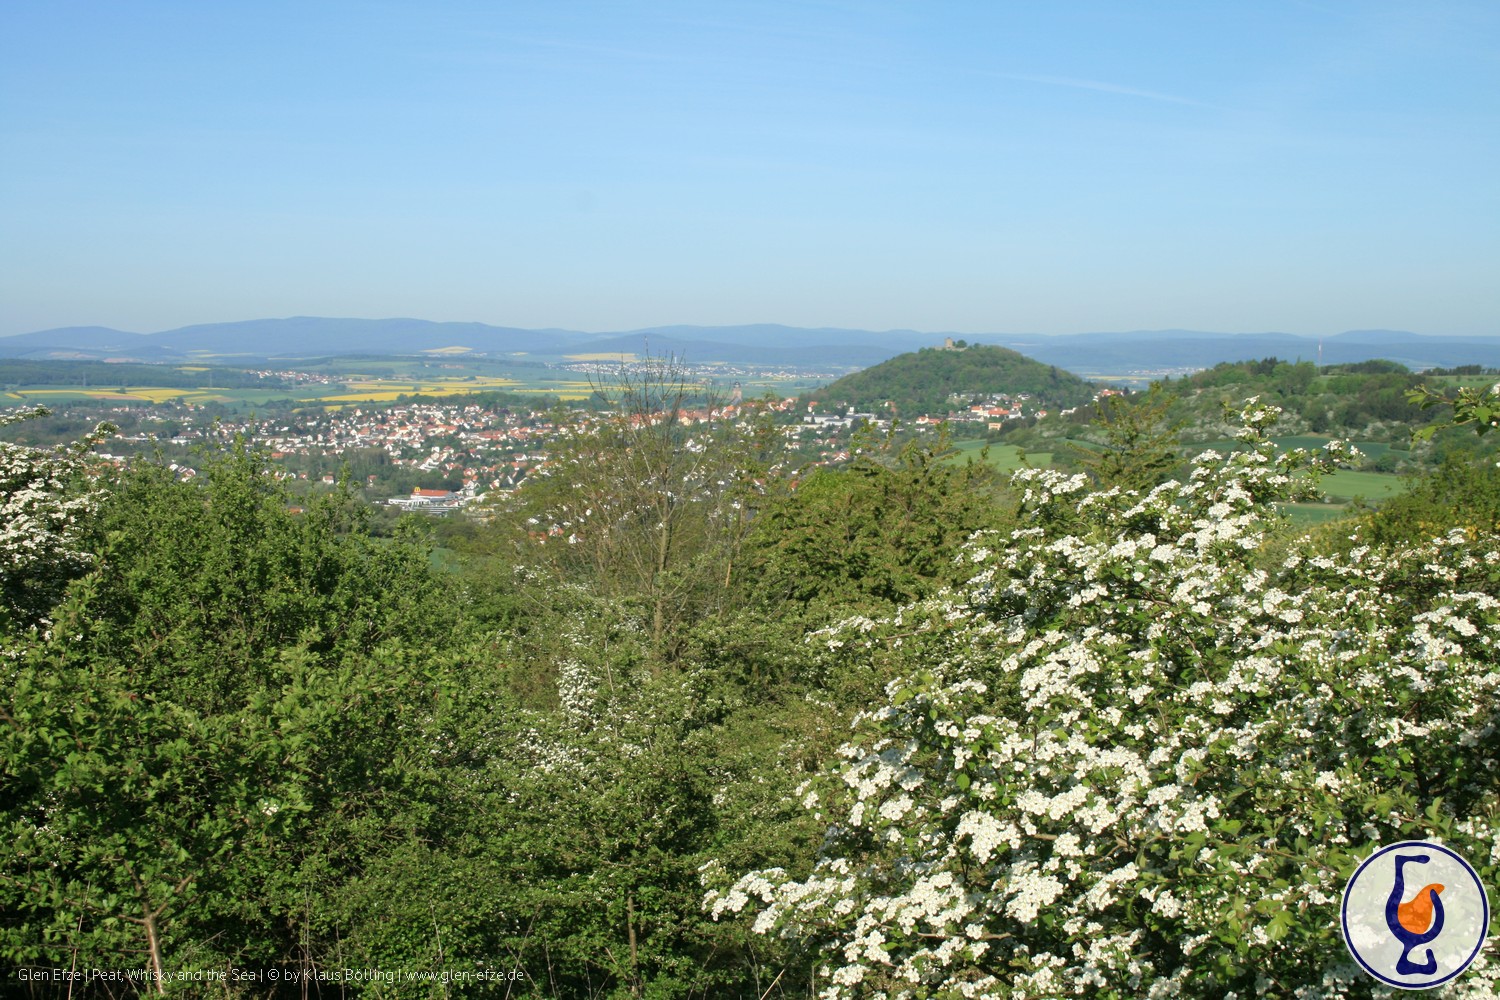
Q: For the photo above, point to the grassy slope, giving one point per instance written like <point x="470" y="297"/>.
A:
<point x="1005" y="457"/>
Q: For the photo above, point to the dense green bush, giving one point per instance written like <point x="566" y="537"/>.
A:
<point x="217" y="698"/>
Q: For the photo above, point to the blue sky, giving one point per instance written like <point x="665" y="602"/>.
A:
<point x="976" y="167"/>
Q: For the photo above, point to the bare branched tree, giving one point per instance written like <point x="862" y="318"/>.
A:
<point x="651" y="494"/>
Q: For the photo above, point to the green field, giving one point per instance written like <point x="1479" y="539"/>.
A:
<point x="1347" y="484"/>
<point x="440" y="366"/>
<point x="1305" y="515"/>
<point x="1004" y="457"/>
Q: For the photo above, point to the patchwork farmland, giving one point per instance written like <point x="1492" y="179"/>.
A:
<point x="352" y="390"/>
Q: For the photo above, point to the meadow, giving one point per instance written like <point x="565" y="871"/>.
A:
<point x="1004" y="457"/>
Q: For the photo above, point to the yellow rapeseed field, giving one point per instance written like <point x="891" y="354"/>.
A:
<point x="91" y="393"/>
<point x="434" y="387"/>
<point x="560" y="393"/>
<point x="157" y="395"/>
<point x="143" y="394"/>
<point x="384" y="390"/>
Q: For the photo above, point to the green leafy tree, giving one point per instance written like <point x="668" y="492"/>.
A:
<point x="1459" y="493"/>
<point x="206" y="742"/>
<point x="885" y="529"/>
<point x="1139" y="449"/>
<point x="1477" y="407"/>
<point x="587" y="823"/>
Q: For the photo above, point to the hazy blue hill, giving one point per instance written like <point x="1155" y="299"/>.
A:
<point x="847" y="355"/>
<point x="922" y="381"/>
<point x="303" y="335"/>
<point x="298" y="337"/>
<point x="1379" y="336"/>
<point x="86" y="338"/>
<point x="777" y="335"/>
<point x="1136" y="336"/>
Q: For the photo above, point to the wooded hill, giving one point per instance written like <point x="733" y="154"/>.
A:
<point x="923" y="381"/>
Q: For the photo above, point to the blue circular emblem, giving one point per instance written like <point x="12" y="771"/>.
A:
<point x="1414" y="915"/>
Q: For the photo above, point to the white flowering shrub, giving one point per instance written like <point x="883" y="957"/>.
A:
<point x="1131" y="764"/>
<point x="42" y="507"/>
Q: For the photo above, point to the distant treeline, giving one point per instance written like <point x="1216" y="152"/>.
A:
<point x="1339" y="399"/>
<point x="1463" y="370"/>
<point x="104" y="375"/>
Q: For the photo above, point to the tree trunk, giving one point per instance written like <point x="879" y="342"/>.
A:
<point x="153" y="946"/>
<point x="635" y="968"/>
<point x="658" y="579"/>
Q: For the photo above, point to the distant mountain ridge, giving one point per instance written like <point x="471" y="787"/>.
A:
<point x="1088" y="354"/>
<point x="298" y="336"/>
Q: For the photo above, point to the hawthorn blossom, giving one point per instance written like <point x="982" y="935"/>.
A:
<point x="1131" y="765"/>
<point x="44" y="501"/>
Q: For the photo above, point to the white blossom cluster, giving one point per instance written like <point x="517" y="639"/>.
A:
<point x="1131" y="765"/>
<point x="599" y="646"/>
<point x="44" y="498"/>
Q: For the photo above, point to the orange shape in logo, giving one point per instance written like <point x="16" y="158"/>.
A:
<point x="1416" y="916"/>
